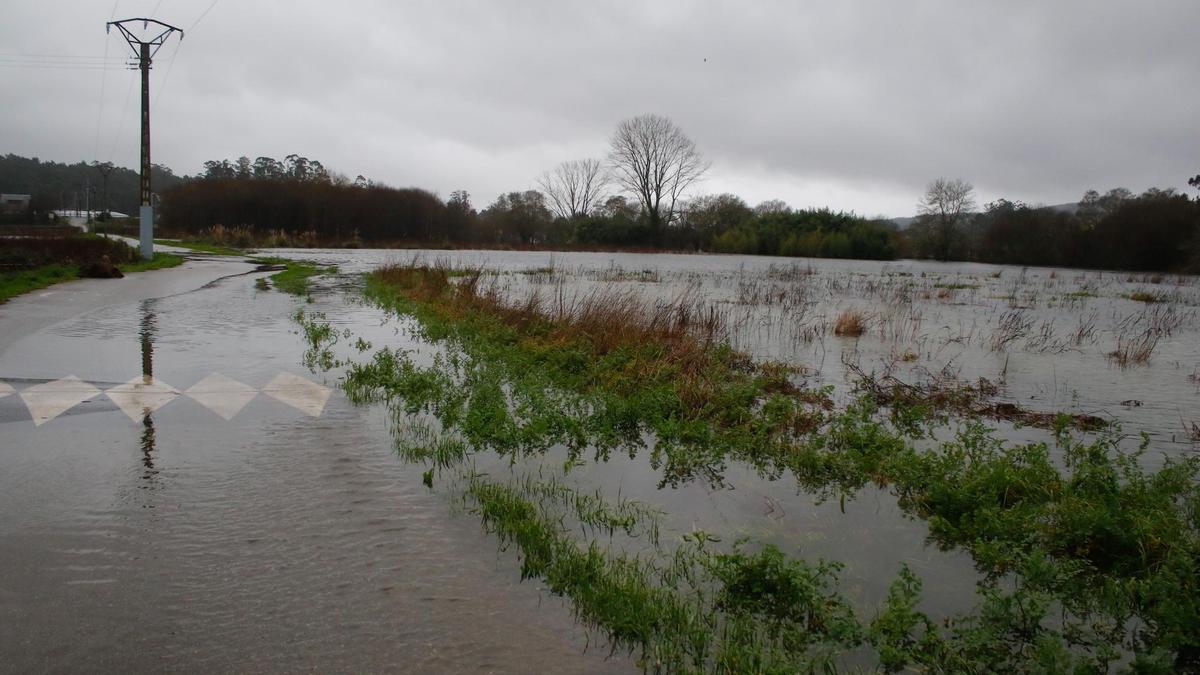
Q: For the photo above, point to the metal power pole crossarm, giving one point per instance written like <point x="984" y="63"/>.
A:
<point x="144" y="51"/>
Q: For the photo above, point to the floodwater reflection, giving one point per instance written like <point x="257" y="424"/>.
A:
<point x="149" y="325"/>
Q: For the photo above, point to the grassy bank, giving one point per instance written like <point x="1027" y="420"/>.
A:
<point x="202" y="247"/>
<point x="1088" y="562"/>
<point x="20" y="282"/>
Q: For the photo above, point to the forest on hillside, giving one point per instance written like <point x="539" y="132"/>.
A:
<point x="56" y="185"/>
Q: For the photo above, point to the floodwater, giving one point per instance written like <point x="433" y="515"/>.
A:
<point x="188" y="532"/>
<point x="274" y="540"/>
<point x="1045" y="335"/>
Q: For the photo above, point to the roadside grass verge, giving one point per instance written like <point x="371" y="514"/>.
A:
<point x="202" y="247"/>
<point x="20" y="282"/>
<point x="17" y="283"/>
<point x="1087" y="559"/>
<point x="158" y="262"/>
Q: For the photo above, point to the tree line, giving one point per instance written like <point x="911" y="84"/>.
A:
<point x="637" y="196"/>
<point x="1154" y="231"/>
<point x="641" y="195"/>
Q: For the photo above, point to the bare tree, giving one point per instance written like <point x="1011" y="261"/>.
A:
<point x="772" y="207"/>
<point x="654" y="159"/>
<point x="575" y="187"/>
<point x="945" y="204"/>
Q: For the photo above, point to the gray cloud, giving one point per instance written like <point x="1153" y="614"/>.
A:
<point x="854" y="105"/>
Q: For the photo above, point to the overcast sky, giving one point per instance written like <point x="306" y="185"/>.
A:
<point x="851" y="105"/>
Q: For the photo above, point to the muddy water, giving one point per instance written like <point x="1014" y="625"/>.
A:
<point x="276" y="540"/>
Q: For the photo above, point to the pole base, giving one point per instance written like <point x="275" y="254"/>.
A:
<point x="146" y="230"/>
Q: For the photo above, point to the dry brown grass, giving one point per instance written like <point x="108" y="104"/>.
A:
<point x="1134" y="350"/>
<point x="607" y="318"/>
<point x="30" y="252"/>
<point x="850" y="323"/>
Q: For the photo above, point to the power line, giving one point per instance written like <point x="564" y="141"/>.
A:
<point x="121" y="125"/>
<point x="202" y="15"/>
<point x="60" y="57"/>
<point x="100" y="107"/>
<point x="178" y="45"/>
<point x="60" y="66"/>
<point x="61" y="61"/>
<point x="167" y="75"/>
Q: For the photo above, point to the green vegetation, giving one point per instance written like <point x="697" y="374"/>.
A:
<point x="817" y="233"/>
<point x="293" y="279"/>
<point x="697" y="609"/>
<point x="1087" y="561"/>
<point x="691" y="611"/>
<point x="17" y="283"/>
<point x="1143" y="296"/>
<point x="31" y="263"/>
<point x="158" y="262"/>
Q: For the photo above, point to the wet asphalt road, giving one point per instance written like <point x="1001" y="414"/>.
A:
<point x="178" y="493"/>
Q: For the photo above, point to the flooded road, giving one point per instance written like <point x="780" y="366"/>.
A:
<point x="179" y="493"/>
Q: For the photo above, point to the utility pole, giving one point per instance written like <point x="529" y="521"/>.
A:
<point x="144" y="51"/>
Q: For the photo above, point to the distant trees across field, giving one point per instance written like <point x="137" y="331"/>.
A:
<point x="581" y="205"/>
<point x="300" y="195"/>
<point x="1154" y="231"/>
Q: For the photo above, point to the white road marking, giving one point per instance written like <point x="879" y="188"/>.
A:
<point x="141" y="396"/>
<point x="49" y="400"/>
<point x="306" y="396"/>
<point x="223" y="395"/>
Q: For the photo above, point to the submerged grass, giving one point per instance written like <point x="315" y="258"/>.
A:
<point x="294" y="279"/>
<point x="850" y="323"/>
<point x="691" y="610"/>
<point x="1105" y="555"/>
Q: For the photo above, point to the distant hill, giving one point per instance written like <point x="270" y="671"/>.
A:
<point x="1070" y="207"/>
<point x="55" y="185"/>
